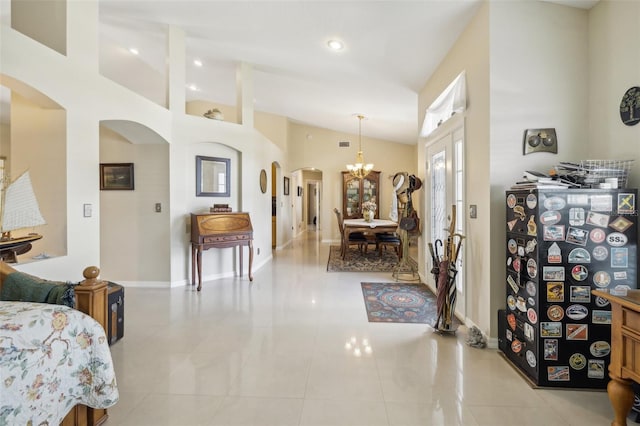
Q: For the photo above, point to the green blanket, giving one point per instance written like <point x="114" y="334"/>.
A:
<point x="21" y="287"/>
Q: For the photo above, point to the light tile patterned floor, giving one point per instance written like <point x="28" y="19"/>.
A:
<point x="272" y="352"/>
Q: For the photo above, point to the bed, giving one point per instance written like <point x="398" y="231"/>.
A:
<point x="56" y="362"/>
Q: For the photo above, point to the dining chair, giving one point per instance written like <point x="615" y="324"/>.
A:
<point x="389" y="239"/>
<point x="355" y="238"/>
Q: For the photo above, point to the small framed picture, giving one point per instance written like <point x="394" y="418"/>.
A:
<point x="299" y="191"/>
<point x="286" y="185"/>
<point x="116" y="176"/>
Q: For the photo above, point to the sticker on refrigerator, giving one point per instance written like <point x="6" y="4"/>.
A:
<point x="553" y="233"/>
<point x="600" y="317"/>
<point x="509" y="335"/>
<point x="597" y="219"/>
<point x="600" y="348"/>
<point x="511" y="201"/>
<point x="620" y="224"/>
<point x="597" y="235"/>
<point x="532" y="315"/>
<point x="554" y="203"/>
<point x="601" y="302"/>
<point x="532" y="201"/>
<point x="595" y="369"/>
<point x="516" y="264"/>
<point x="579" y="272"/>
<point x="602" y="279"/>
<point x="555" y="312"/>
<point x="601" y="203"/>
<point x="600" y="252"/>
<point x="532" y="228"/>
<point x="550" y="217"/>
<point x="512" y="246"/>
<point x="519" y="211"/>
<point x="521" y="304"/>
<point x="626" y="203"/>
<point x="577" y="361"/>
<point x="511" y="224"/>
<point x="558" y="374"/>
<point x="616" y="239"/>
<point x="530" y="247"/>
<point x="555" y="291"/>
<point x="551" y="349"/>
<point x="516" y="346"/>
<point x="577" y="331"/>
<point x="577" y="312"/>
<point x="512" y="283"/>
<point x="619" y="257"/>
<point x="531" y="301"/>
<point x="553" y="273"/>
<point x="554" y="254"/>
<point x="578" y="199"/>
<point x="619" y="275"/>
<point x="531" y="359"/>
<point x="576" y="216"/>
<point x="511" y="320"/>
<point x="580" y="293"/>
<point x="511" y="302"/>
<point x="529" y="332"/>
<point x="550" y="329"/>
<point x="531" y="288"/>
<point x="577" y="236"/>
<point x="579" y="255"/>
<point x="532" y="268"/>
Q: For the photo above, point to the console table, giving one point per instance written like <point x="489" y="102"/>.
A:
<point x="219" y="230"/>
<point x="624" y="367"/>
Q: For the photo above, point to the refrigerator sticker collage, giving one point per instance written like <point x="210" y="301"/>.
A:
<point x="561" y="245"/>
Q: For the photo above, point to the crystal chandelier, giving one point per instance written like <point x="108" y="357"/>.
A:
<point x="360" y="169"/>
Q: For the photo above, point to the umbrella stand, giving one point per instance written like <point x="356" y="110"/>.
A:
<point x="445" y="272"/>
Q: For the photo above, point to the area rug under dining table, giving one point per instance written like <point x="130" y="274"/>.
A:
<point x="357" y="261"/>
<point x="399" y="302"/>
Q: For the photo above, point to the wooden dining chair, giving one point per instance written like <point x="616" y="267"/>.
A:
<point x="355" y="238"/>
<point x="389" y="239"/>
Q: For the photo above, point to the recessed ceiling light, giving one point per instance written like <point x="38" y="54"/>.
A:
<point x="335" y="44"/>
<point x="197" y="62"/>
<point x="193" y="87"/>
<point x="134" y="51"/>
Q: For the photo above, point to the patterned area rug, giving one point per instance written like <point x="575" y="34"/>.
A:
<point x="398" y="302"/>
<point x="362" y="262"/>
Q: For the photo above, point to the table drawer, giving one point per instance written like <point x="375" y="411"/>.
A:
<point x="225" y="238"/>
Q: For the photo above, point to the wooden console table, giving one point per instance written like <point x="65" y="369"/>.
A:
<point x="219" y="230"/>
<point x="624" y="367"/>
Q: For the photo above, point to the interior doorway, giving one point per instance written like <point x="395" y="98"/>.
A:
<point x="313" y="206"/>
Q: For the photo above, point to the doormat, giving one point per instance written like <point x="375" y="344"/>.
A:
<point x="356" y="261"/>
<point x="399" y="302"/>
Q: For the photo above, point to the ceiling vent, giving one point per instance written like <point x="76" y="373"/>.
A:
<point x="343" y="144"/>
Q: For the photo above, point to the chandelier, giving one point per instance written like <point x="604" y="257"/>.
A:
<point x="360" y="169"/>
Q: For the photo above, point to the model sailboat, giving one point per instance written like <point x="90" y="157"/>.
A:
<point x="20" y="210"/>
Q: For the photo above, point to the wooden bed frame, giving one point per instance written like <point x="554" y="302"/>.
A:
<point x="91" y="298"/>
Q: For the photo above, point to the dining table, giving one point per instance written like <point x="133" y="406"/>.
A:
<point x="374" y="226"/>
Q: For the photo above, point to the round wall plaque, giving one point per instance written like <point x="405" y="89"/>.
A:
<point x="263" y="181"/>
<point x="630" y="107"/>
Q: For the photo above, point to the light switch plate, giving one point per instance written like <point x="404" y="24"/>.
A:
<point x="86" y="210"/>
<point x="539" y="140"/>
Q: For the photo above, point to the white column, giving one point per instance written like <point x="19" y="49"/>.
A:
<point x="244" y="90"/>
<point x="176" y="70"/>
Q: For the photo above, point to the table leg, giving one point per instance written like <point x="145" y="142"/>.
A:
<point x="250" y="259"/>
<point x="199" y="257"/>
<point x="240" y="249"/>
<point x="621" y="397"/>
<point x="193" y="264"/>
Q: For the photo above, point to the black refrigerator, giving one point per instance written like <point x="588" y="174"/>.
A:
<point x="560" y="245"/>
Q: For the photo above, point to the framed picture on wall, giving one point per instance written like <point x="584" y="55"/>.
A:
<point x="116" y="176"/>
<point x="299" y="191"/>
<point x="286" y="186"/>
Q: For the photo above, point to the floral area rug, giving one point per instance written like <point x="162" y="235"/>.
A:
<point x="363" y="262"/>
<point x="399" y="302"/>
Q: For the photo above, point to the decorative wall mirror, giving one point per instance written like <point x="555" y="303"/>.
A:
<point x="213" y="176"/>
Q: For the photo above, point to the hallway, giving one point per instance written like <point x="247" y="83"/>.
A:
<point x="272" y="352"/>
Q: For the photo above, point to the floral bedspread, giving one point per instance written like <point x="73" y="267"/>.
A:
<point x="51" y="358"/>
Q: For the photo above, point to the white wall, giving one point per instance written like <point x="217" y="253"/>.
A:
<point x="614" y="67"/>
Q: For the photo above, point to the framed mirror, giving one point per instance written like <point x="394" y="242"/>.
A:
<point x="213" y="176"/>
<point x="263" y="181"/>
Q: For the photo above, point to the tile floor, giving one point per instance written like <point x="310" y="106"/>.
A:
<point x="272" y="352"/>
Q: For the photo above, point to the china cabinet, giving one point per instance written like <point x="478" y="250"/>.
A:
<point x="356" y="191"/>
